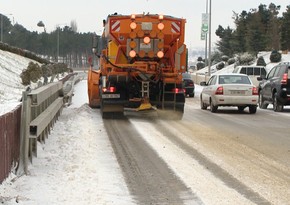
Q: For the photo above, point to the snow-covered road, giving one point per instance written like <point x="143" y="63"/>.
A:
<point x="78" y="165"/>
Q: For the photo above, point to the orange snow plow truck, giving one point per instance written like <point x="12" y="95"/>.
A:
<point x="138" y="64"/>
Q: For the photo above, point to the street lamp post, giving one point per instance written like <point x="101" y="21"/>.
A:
<point x="1" y="27"/>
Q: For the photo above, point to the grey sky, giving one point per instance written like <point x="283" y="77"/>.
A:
<point x="89" y="14"/>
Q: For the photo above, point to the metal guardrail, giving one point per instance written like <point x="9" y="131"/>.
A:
<point x="32" y="122"/>
<point x="40" y="110"/>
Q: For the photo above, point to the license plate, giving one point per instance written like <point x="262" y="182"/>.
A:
<point x="109" y="96"/>
<point x="238" y="92"/>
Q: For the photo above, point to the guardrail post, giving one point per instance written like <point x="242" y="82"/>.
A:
<point x="24" y="134"/>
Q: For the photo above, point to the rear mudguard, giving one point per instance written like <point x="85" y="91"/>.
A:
<point x="93" y="88"/>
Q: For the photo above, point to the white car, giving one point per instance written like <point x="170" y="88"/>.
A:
<point x="229" y="89"/>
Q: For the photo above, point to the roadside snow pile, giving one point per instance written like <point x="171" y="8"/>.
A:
<point x="11" y="66"/>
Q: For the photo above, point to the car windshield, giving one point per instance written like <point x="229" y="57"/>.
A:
<point x="234" y="79"/>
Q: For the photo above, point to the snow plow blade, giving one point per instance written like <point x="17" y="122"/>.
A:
<point x="145" y="106"/>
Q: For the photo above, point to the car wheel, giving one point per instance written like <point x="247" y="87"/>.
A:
<point x="213" y="108"/>
<point x="241" y="108"/>
<point x="203" y="106"/>
<point x="252" y="109"/>
<point x="277" y="106"/>
<point x="262" y="103"/>
<point x="191" y="95"/>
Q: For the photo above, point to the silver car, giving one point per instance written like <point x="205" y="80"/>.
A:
<point x="229" y="89"/>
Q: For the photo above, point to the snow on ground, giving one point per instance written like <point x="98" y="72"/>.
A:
<point x="76" y="165"/>
<point x="11" y="66"/>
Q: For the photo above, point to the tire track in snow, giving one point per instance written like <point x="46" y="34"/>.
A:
<point x="210" y="182"/>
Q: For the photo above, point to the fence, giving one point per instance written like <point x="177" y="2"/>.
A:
<point x="31" y="122"/>
<point x="40" y="110"/>
<point x="9" y="141"/>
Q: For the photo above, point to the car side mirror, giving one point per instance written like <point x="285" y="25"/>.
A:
<point x="203" y="83"/>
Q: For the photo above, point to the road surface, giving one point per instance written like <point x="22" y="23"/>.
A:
<point x="236" y="158"/>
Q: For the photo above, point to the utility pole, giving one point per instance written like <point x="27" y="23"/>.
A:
<point x="209" y="41"/>
<point x="2" y="28"/>
<point x="205" y="55"/>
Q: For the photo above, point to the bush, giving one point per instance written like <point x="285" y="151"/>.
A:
<point x="225" y="58"/>
<point x="275" y="57"/>
<point x="231" y="61"/>
<point x="200" y="65"/>
<point x="35" y="72"/>
<point x="245" y="59"/>
<point x="32" y="74"/>
<point x="199" y="59"/>
<point x="220" y="66"/>
<point x="261" y="61"/>
<point x="25" y="77"/>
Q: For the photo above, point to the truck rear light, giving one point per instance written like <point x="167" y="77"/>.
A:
<point x="153" y="34"/>
<point x="133" y="25"/>
<point x="160" y="54"/>
<point x="112" y="89"/>
<point x="133" y="35"/>
<point x="219" y="90"/>
<point x="255" y="91"/>
<point x="141" y="53"/>
<point x="284" y="79"/>
<point x="133" y="44"/>
<point x="160" y="35"/>
<point x="151" y="54"/>
<point x="146" y="40"/>
<point x="140" y="34"/>
<point x="160" y="26"/>
<point x="132" y="53"/>
<point x="160" y="45"/>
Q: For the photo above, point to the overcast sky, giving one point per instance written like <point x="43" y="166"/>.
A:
<point x="89" y="14"/>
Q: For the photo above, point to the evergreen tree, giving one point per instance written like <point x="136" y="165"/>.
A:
<point x="225" y="45"/>
<point x="285" y="30"/>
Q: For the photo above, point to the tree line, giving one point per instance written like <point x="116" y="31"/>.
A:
<point x="72" y="47"/>
<point x="260" y="29"/>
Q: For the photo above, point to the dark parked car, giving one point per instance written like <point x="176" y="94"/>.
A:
<point x="275" y="87"/>
<point x="188" y="84"/>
